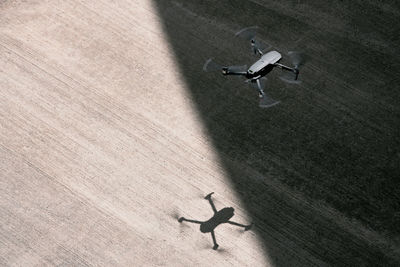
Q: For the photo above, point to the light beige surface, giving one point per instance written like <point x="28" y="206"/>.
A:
<point x="100" y="147"/>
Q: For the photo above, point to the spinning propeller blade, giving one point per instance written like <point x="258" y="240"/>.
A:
<point x="265" y="101"/>
<point x="289" y="77"/>
<point x="242" y="68"/>
<point x="297" y="59"/>
<point x="249" y="34"/>
<point x="211" y="65"/>
<point x="258" y="47"/>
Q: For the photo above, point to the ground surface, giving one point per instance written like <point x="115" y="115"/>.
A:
<point x="110" y="131"/>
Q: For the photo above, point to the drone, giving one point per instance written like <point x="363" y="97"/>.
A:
<point x="221" y="216"/>
<point x="264" y="65"/>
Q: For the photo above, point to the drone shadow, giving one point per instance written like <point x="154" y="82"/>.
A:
<point x="290" y="161"/>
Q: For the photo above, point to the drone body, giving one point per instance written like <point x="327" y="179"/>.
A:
<point x="261" y="67"/>
<point x="263" y="64"/>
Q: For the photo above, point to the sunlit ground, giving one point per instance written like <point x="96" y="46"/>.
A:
<point x="101" y="145"/>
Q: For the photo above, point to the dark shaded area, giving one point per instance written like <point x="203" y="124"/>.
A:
<point x="334" y="138"/>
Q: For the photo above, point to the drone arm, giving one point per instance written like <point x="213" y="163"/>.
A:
<point x="237" y="224"/>
<point x="255" y="48"/>
<point x="281" y="66"/>
<point x="284" y="67"/>
<point x="265" y="100"/>
<point x="260" y="87"/>
<point x="228" y="72"/>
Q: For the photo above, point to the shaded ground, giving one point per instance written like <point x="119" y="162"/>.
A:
<point x="333" y="139"/>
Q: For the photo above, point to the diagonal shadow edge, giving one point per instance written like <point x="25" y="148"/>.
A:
<point x="293" y="232"/>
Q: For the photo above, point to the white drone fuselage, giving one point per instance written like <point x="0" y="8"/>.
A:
<point x="264" y="64"/>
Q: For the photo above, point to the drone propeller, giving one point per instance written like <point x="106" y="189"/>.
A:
<point x="175" y="214"/>
<point x="249" y="34"/>
<point x="289" y="77"/>
<point x="297" y="59"/>
<point x="265" y="100"/>
<point x="211" y="65"/>
<point x="258" y="47"/>
<point x="242" y="68"/>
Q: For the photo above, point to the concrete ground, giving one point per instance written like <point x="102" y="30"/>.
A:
<point x="109" y="131"/>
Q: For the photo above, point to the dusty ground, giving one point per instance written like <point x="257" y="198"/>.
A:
<point x="110" y="131"/>
<point x="97" y="160"/>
